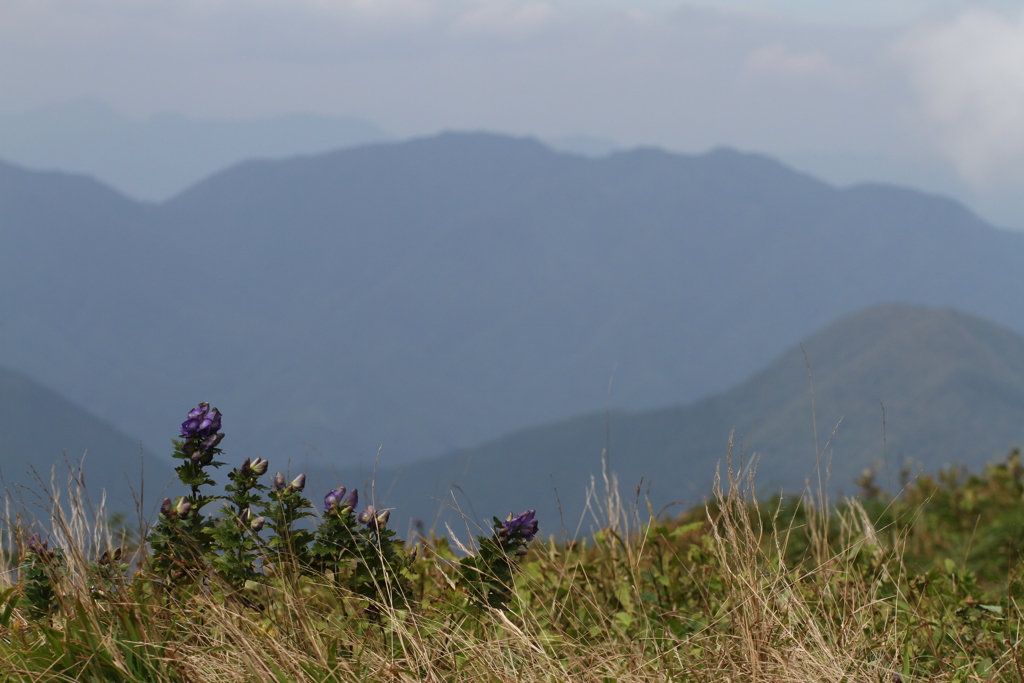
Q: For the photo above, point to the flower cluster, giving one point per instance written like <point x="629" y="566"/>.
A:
<point x="356" y="551"/>
<point x="180" y="511"/>
<point x="201" y="430"/>
<point x="40" y="548"/>
<point x="522" y="527"/>
<point x="298" y="483"/>
<point x="258" y="466"/>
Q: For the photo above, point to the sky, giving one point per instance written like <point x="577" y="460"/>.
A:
<point x="926" y="93"/>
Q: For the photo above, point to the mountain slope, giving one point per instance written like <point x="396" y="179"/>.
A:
<point x="436" y="293"/>
<point x="42" y="429"/>
<point x="952" y="387"/>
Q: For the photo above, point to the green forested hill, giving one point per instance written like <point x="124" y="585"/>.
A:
<point x="952" y="387"/>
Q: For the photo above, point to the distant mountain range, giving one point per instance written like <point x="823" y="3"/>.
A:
<point x="437" y="293"/>
<point x="157" y="157"/>
<point x="894" y="387"/>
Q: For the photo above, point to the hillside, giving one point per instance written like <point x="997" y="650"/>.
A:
<point x="42" y="429"/>
<point x="952" y="386"/>
<point x="437" y="293"/>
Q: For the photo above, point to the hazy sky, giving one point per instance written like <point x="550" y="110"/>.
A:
<point x="932" y="87"/>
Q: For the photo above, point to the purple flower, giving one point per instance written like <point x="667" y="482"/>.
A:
<point x="243" y="516"/>
<point x="257" y="524"/>
<point x="522" y="526"/>
<point x="382" y="519"/>
<point x="210" y="424"/>
<point x="259" y="466"/>
<point x="351" y="500"/>
<point x="246" y="467"/>
<point x="334" y="498"/>
<point x="202" y="426"/>
<point x="166" y="507"/>
<point x="184" y="507"/>
<point x="36" y="544"/>
<point x="190" y="427"/>
<point x="278" y="481"/>
<point x="298" y="483"/>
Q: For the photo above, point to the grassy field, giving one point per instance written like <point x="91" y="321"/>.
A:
<point x="925" y="585"/>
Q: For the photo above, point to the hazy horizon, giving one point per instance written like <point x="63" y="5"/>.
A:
<point x="924" y="94"/>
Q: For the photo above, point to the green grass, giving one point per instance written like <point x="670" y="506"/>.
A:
<point x="925" y="586"/>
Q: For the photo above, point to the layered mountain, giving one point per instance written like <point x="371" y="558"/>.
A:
<point x="157" y="157"/>
<point x="48" y="439"/>
<point x="423" y="296"/>
<point x="892" y="388"/>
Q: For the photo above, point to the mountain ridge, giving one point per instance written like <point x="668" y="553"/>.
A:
<point x="433" y="294"/>
<point x="871" y="372"/>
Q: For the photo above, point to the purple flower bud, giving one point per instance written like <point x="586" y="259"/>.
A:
<point x="257" y="524"/>
<point x="243" y="516"/>
<point x="196" y="457"/>
<point x="382" y="519"/>
<point x="212" y="441"/>
<point x="118" y="552"/>
<point x="246" y="467"/>
<point x="368" y="516"/>
<point x="259" y="466"/>
<point x="278" y="481"/>
<point x="351" y="500"/>
<point x="166" y="507"/>
<point x="183" y="508"/>
<point x="333" y="498"/>
<point x="104" y="558"/>
<point x="298" y="483"/>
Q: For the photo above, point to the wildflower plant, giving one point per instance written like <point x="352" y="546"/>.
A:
<point x="110" y="573"/>
<point x="40" y="571"/>
<point x="289" y="543"/>
<point x="381" y="572"/>
<point x="237" y="530"/>
<point x="488" y="575"/>
<point x="357" y="552"/>
<point x="335" y="548"/>
<point x="183" y="537"/>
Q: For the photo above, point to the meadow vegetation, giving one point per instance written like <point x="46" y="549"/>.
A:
<point x="255" y="583"/>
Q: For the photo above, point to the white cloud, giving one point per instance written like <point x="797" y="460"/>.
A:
<point x="968" y="78"/>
